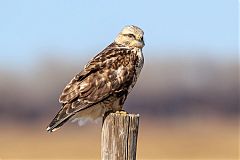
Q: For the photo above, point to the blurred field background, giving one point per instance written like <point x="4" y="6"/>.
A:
<point x="187" y="94"/>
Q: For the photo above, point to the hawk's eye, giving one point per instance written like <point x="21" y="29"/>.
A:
<point x="131" y="36"/>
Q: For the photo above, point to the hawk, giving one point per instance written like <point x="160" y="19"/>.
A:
<point x="105" y="82"/>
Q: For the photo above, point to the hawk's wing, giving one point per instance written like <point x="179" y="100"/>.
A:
<point x="109" y="72"/>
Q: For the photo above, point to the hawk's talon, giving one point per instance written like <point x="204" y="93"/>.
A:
<point x="122" y="112"/>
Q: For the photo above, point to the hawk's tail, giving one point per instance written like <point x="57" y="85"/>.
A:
<point x="59" y="120"/>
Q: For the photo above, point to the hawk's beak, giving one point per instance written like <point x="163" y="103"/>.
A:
<point x="141" y="42"/>
<point x="138" y="42"/>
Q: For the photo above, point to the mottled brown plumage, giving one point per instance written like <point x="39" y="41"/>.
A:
<point x="105" y="81"/>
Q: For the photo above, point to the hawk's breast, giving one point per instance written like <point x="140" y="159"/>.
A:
<point x="138" y="66"/>
<point x="140" y="62"/>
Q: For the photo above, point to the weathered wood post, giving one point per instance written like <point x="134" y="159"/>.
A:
<point x="119" y="136"/>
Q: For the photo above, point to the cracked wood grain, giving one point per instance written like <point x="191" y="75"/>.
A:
<point x="119" y="136"/>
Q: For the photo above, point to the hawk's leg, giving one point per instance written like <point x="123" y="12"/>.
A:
<point x="106" y="114"/>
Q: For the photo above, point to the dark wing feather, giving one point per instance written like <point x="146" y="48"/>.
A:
<point x="108" y="73"/>
<point x="99" y="77"/>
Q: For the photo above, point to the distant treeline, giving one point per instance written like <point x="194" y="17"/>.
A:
<point x="168" y="86"/>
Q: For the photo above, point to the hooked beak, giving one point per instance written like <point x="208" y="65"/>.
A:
<point x="138" y="44"/>
<point x="141" y="43"/>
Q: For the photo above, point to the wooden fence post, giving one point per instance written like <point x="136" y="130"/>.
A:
<point x="119" y="136"/>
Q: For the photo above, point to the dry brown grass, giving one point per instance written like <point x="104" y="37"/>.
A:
<point x="158" y="139"/>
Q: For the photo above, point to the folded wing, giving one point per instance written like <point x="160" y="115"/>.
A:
<point x="108" y="73"/>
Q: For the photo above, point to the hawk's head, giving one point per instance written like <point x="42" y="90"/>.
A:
<point x="131" y="36"/>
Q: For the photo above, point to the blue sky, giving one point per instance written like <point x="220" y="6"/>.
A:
<point x="28" y="28"/>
